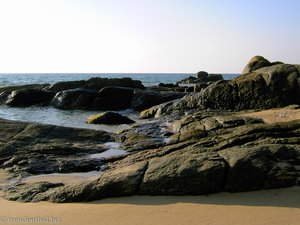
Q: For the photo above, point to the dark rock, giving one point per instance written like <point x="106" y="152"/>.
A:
<point x="96" y="83"/>
<point x="67" y="85"/>
<point x="214" y="77"/>
<point x="202" y="75"/>
<point x="109" y="118"/>
<point x="170" y="85"/>
<point x="256" y="63"/>
<point x="4" y="97"/>
<point x="188" y="80"/>
<point x="74" y="99"/>
<point x="113" y="98"/>
<point x="145" y="99"/>
<point x="29" y="97"/>
<point x="184" y="174"/>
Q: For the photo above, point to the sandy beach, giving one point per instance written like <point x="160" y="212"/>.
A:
<point x="275" y="115"/>
<point x="276" y="207"/>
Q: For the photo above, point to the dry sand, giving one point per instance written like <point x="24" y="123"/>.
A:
<point x="275" y="207"/>
<point x="276" y="115"/>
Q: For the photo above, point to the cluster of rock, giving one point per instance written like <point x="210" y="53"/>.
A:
<point x="93" y="94"/>
<point x="200" y="81"/>
<point x="263" y="85"/>
<point x="202" y="77"/>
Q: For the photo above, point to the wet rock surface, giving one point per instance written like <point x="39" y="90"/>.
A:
<point x="28" y="148"/>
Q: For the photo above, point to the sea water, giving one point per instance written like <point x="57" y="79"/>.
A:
<point x="76" y="118"/>
<point x="148" y="79"/>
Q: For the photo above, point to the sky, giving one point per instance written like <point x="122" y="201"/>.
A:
<point x="145" y="36"/>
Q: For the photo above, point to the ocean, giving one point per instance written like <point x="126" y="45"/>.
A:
<point x="148" y="79"/>
<point x="77" y="118"/>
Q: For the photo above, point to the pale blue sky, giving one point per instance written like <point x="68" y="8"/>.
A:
<point x="145" y="35"/>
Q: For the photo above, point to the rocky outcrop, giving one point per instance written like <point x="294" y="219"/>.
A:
<point x="145" y="99"/>
<point x="258" y="62"/>
<point x="207" y="152"/>
<point x="267" y="87"/>
<point x="96" y="83"/>
<point x="29" y="97"/>
<point x="266" y="166"/>
<point x="109" y="118"/>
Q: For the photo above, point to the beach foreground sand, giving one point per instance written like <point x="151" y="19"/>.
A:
<point x="276" y="207"/>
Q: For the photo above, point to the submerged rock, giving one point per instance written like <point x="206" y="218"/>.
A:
<point x="109" y="118"/>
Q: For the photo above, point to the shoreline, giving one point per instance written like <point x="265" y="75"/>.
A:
<point x="266" y="207"/>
